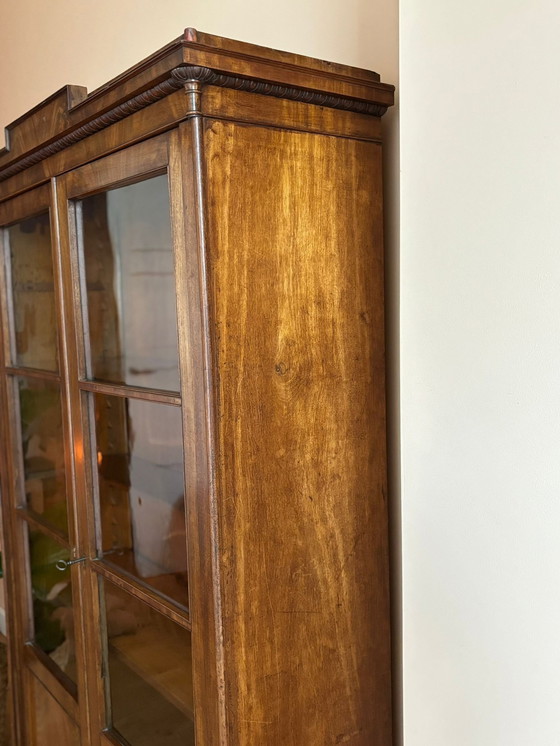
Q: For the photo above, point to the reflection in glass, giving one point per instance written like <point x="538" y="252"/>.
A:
<point x="141" y="483"/>
<point x="128" y="261"/>
<point x="150" y="672"/>
<point x="43" y="450"/>
<point x="53" y="615"/>
<point x="33" y="293"/>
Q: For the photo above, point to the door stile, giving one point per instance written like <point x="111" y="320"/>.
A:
<point x="144" y="161"/>
<point x="195" y="361"/>
<point x="17" y="567"/>
<point x="12" y="549"/>
<point x="88" y="647"/>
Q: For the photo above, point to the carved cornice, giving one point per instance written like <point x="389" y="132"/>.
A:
<point x="211" y="77"/>
<point x="136" y="103"/>
<point x="179" y="77"/>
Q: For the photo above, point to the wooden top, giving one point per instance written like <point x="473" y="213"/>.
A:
<point x="71" y="114"/>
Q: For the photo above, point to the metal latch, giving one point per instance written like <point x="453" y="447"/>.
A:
<point x="65" y="564"/>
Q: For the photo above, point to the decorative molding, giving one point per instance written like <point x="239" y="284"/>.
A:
<point x="179" y="77"/>
<point x="112" y="116"/>
<point x="331" y="101"/>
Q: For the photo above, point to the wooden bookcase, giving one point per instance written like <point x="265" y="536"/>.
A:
<point x="193" y="463"/>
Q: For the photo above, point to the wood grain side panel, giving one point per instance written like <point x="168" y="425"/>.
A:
<point x="254" y="108"/>
<point x="296" y="282"/>
<point x="49" y="724"/>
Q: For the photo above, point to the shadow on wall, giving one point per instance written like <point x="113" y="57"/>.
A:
<point x="391" y="171"/>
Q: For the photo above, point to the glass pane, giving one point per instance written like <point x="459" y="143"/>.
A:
<point x="33" y="294"/>
<point x="53" y="614"/>
<point x="43" y="450"/>
<point x="128" y="260"/>
<point x="150" y="673"/>
<point x="141" y="482"/>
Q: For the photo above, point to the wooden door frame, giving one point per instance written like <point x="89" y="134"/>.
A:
<point x="26" y="658"/>
<point x="176" y="153"/>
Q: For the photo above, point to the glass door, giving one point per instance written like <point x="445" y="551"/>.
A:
<point x="37" y="495"/>
<point x="127" y="418"/>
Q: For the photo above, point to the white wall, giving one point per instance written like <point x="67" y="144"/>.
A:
<point x="480" y="355"/>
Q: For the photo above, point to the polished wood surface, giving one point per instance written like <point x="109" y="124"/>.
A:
<point x="6" y="706"/>
<point x="48" y="722"/>
<point x="43" y="669"/>
<point x="242" y="50"/>
<point x="24" y="133"/>
<point x="134" y="165"/>
<point x="19" y="607"/>
<point x="254" y="108"/>
<point x="147" y="123"/>
<point x="70" y="108"/>
<point x="273" y="163"/>
<point x="296" y="277"/>
<point x="188" y="216"/>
